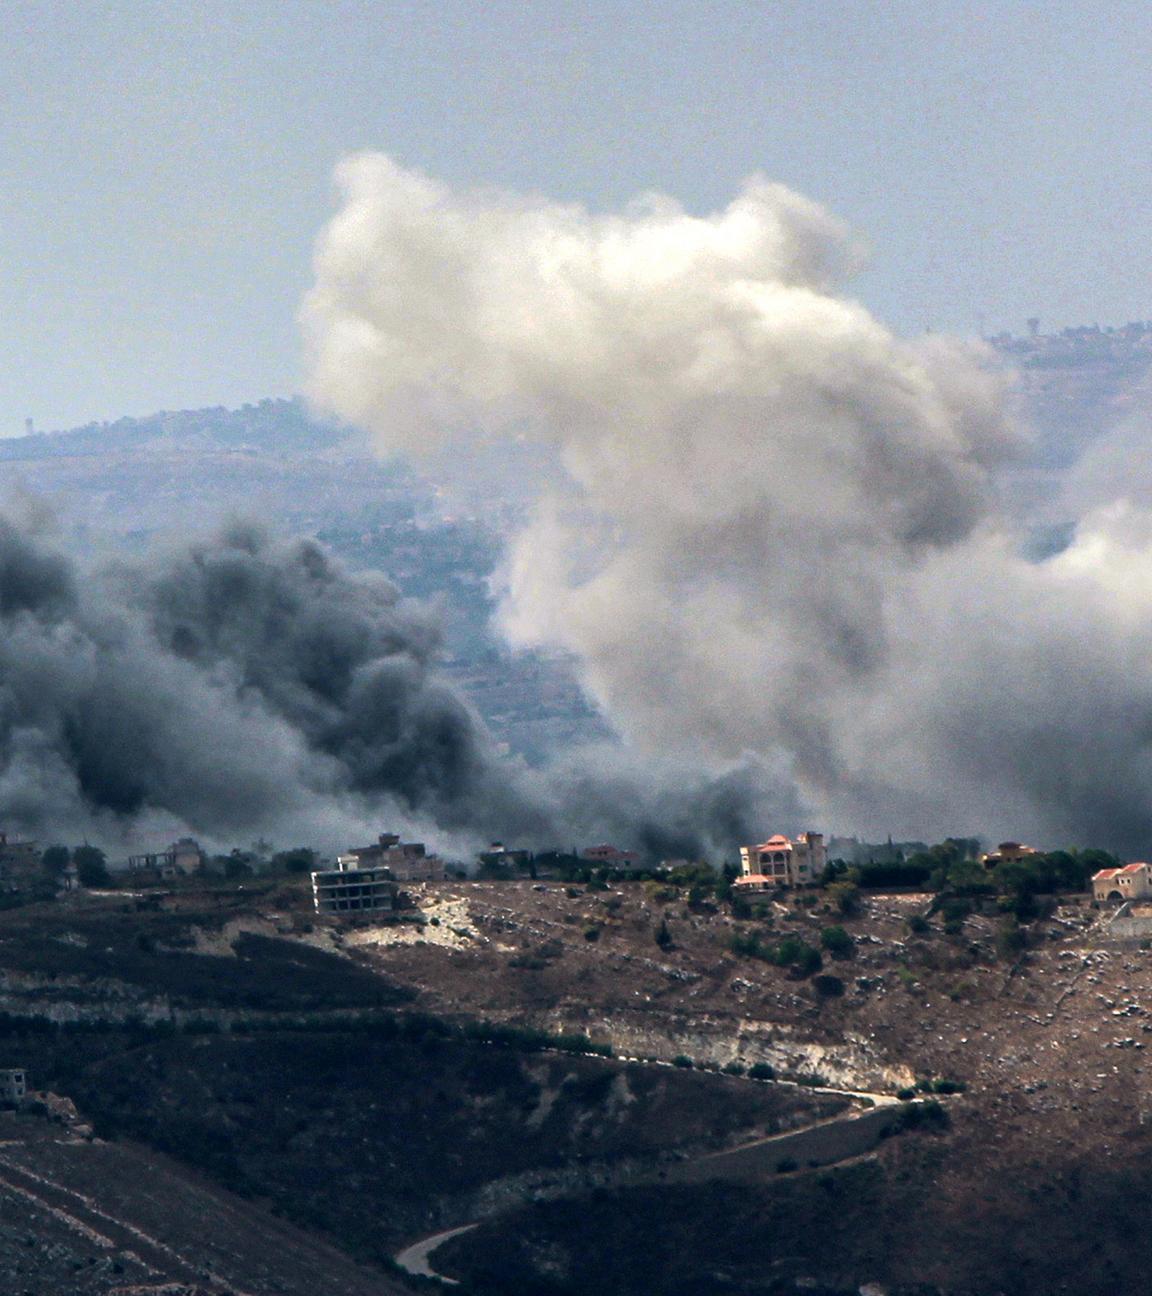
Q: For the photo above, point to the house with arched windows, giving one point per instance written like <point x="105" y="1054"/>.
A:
<point x="1132" y="882"/>
<point x="782" y="862"/>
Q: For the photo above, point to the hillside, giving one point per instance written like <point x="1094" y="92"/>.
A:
<point x="345" y="1078"/>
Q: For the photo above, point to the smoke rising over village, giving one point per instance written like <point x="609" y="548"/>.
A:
<point x="228" y="684"/>
<point x="239" y="684"/>
<point x="782" y="534"/>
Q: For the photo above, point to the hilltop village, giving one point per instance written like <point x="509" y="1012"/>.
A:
<point x="806" y="861"/>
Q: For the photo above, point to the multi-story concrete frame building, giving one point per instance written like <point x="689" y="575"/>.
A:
<point x="351" y="890"/>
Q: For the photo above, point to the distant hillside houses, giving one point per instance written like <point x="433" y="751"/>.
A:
<point x="19" y="860"/>
<point x="1009" y="853"/>
<point x="611" y="856"/>
<point x="180" y="859"/>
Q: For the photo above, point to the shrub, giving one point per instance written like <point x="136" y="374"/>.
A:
<point x="813" y="1080"/>
<point x="905" y="1094"/>
<point x="659" y="893"/>
<point x="808" y="962"/>
<point x="761" y="1071"/>
<point x="734" y="1068"/>
<point x="829" y="987"/>
<point x="837" y="942"/>
<point x="527" y="961"/>
<point x="787" y="1165"/>
<point x="746" y="944"/>
<point x="949" y="1086"/>
<point x="663" y="935"/>
<point x="918" y="925"/>
<point x="924" y="1115"/>
<point x="591" y="933"/>
<point x="1011" y="939"/>
<point x="845" y="897"/>
<point x="681" y="1060"/>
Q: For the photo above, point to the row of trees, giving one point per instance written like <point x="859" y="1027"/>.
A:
<point x="953" y="866"/>
<point x="90" y="863"/>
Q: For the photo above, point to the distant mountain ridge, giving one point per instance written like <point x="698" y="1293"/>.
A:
<point x="271" y="423"/>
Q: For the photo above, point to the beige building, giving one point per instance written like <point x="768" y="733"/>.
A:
<point x="782" y="862"/>
<point x="611" y="856"/>
<point x="181" y="858"/>
<point x="406" y="861"/>
<point x="1008" y="853"/>
<point x="1132" y="882"/>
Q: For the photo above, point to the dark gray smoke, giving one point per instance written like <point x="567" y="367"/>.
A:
<point x="228" y="685"/>
<point x="240" y="684"/>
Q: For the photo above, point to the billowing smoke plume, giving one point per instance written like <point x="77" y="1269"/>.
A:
<point x="237" y="685"/>
<point x="780" y="531"/>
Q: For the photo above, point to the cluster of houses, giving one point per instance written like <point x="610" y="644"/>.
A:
<point x="367" y="879"/>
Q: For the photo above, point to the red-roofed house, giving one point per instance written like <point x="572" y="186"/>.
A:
<point x="1132" y="882"/>
<point x="611" y="855"/>
<point x="781" y="862"/>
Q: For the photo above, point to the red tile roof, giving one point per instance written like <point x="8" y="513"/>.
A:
<point x="774" y="844"/>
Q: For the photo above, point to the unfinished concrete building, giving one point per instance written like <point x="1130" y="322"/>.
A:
<point x="352" y="890"/>
<point x="13" y="1085"/>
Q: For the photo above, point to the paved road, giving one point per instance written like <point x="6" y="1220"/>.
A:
<point x="840" y="1138"/>
<point x="414" y="1259"/>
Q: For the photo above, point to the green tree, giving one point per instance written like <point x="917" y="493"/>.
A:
<point x="845" y="896"/>
<point x="297" y="860"/>
<point x="91" y="866"/>
<point x="55" y="860"/>
<point x="798" y="955"/>
<point x="837" y="942"/>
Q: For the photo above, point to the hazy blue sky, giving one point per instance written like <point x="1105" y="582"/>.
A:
<point x="164" y="167"/>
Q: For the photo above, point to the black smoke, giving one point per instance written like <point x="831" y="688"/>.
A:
<point x="241" y="683"/>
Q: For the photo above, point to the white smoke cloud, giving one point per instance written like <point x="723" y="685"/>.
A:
<point x="779" y="531"/>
